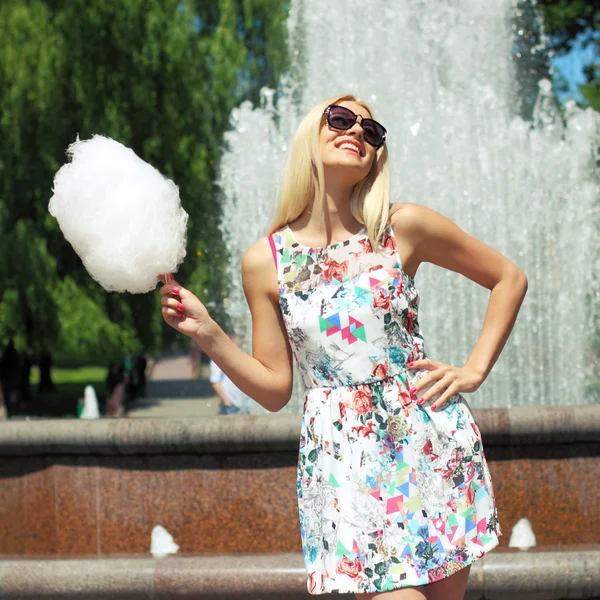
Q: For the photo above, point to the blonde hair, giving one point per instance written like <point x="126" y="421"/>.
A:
<point x="304" y="179"/>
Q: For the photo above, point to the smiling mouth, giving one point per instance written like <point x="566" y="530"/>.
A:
<point x="350" y="147"/>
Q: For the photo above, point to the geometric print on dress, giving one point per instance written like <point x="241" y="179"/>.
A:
<point x="352" y="332"/>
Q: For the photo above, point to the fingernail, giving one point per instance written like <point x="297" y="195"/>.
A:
<point x="433" y="408"/>
<point x="174" y="290"/>
<point x="181" y="307"/>
<point x="420" y="401"/>
<point x="412" y="391"/>
<point x="179" y="313"/>
<point x="410" y="364"/>
<point x="170" y="277"/>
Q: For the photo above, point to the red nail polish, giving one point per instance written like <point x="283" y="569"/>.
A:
<point x="433" y="408"/>
<point x="181" y="307"/>
<point x="410" y="364"/>
<point x="412" y="391"/>
<point x="179" y="313"/>
<point x="420" y="401"/>
<point x="174" y="290"/>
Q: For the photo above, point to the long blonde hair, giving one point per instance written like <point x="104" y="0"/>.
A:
<point x="304" y="179"/>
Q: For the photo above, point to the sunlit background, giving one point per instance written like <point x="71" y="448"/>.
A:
<point x="209" y="93"/>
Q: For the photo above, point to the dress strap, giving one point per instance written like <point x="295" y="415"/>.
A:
<point x="279" y="255"/>
<point x="273" y="250"/>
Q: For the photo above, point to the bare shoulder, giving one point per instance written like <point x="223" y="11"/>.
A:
<point x="409" y="219"/>
<point x="258" y="256"/>
<point x="415" y="227"/>
<point x="258" y="267"/>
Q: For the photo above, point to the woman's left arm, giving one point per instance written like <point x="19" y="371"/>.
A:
<point x="426" y="236"/>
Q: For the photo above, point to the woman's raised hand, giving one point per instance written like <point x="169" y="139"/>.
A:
<point x="443" y="378"/>
<point x="181" y="309"/>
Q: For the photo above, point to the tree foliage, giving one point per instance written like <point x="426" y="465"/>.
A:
<point x="160" y="76"/>
<point x="568" y="22"/>
<point x="565" y="20"/>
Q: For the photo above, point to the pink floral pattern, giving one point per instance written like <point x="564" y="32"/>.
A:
<point x="390" y="494"/>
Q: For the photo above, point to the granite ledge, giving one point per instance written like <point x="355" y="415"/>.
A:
<point x="541" y="574"/>
<point x="269" y="432"/>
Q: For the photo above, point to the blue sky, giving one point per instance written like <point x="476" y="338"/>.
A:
<point x="571" y="67"/>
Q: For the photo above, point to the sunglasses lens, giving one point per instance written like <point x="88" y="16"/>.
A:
<point x="341" y="118"/>
<point x="374" y="132"/>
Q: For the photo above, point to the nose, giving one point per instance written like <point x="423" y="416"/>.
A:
<point x="357" y="128"/>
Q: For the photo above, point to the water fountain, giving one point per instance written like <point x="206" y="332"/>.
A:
<point x="441" y="77"/>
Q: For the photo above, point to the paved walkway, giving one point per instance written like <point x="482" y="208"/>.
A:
<point x="173" y="390"/>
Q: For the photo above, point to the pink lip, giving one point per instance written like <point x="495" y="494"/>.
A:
<point x="359" y="149"/>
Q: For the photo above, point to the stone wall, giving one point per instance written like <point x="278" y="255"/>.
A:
<point x="228" y="485"/>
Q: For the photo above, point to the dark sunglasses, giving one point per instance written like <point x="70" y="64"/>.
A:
<point x="342" y="118"/>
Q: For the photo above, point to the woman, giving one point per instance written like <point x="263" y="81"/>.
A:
<point x="394" y="492"/>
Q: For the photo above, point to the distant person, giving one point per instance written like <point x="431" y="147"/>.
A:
<point x="231" y="398"/>
<point x="114" y="376"/>
<point x="115" y="390"/>
<point x="139" y="375"/>
<point x="130" y="383"/>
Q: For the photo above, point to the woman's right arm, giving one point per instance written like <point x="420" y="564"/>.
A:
<point x="266" y="376"/>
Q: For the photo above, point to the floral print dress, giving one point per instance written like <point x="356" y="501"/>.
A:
<point x="391" y="494"/>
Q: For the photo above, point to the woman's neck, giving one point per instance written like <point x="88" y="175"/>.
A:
<point x="333" y="221"/>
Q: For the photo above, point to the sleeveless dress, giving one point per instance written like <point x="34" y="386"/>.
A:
<point x="391" y="494"/>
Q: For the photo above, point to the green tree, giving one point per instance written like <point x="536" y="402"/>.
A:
<point x="568" y="22"/>
<point x="160" y="76"/>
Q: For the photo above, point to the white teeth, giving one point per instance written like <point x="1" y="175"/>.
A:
<point x="350" y="146"/>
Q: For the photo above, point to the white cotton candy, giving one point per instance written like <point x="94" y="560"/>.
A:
<point x="122" y="217"/>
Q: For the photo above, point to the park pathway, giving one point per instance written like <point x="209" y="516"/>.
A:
<point x="174" y="390"/>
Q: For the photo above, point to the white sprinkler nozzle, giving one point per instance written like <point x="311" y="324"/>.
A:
<point x="522" y="535"/>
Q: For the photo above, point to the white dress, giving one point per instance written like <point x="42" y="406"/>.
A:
<point x="391" y="494"/>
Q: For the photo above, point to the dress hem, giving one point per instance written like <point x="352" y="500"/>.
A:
<point x="487" y="548"/>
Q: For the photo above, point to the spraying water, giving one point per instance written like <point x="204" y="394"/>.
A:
<point x="440" y="77"/>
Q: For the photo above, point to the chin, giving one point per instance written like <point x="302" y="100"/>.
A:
<point x="352" y="168"/>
